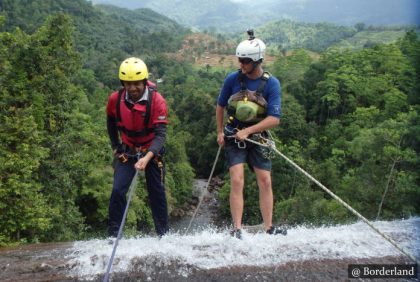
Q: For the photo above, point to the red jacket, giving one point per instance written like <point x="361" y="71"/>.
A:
<point x="131" y="123"/>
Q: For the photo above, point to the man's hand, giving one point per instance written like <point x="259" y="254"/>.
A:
<point x="142" y="162"/>
<point x="241" y="135"/>
<point x="221" y="138"/>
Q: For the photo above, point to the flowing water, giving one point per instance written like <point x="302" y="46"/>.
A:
<point x="204" y="214"/>
<point x="206" y="253"/>
<point x="183" y="255"/>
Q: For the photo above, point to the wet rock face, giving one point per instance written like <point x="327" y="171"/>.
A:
<point x="50" y="262"/>
<point x="206" y="254"/>
<point x="38" y="262"/>
<point x="318" y="270"/>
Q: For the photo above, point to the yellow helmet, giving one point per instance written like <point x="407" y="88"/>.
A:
<point x="133" y="69"/>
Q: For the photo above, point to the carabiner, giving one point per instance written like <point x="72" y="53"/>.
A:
<point x="241" y="144"/>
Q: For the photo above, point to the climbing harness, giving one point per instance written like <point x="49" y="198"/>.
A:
<point x="246" y="106"/>
<point x="390" y="240"/>
<point x="269" y="143"/>
<point x="120" y="230"/>
<point x="207" y="185"/>
<point x="239" y="143"/>
<point x="129" y="152"/>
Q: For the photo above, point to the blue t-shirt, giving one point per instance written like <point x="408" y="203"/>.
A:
<point x="271" y="93"/>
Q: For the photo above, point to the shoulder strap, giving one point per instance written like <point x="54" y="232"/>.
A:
<point x="264" y="78"/>
<point x="149" y="106"/>
<point x="141" y="133"/>
<point x="120" y="92"/>
<point x="241" y="78"/>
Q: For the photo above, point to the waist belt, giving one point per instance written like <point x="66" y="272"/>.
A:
<point x="133" y="149"/>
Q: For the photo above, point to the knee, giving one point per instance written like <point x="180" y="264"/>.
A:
<point x="265" y="183"/>
<point x="236" y="183"/>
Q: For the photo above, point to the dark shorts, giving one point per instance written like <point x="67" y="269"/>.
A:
<point x="252" y="154"/>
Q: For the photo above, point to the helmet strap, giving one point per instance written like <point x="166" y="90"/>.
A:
<point x="254" y="66"/>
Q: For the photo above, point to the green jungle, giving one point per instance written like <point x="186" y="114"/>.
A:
<point x="350" y="104"/>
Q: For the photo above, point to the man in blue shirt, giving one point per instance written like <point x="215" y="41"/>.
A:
<point x="252" y="98"/>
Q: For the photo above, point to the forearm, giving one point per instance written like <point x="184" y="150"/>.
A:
<point x="219" y="118"/>
<point x="155" y="147"/>
<point x="159" y="140"/>
<point x="266" y="124"/>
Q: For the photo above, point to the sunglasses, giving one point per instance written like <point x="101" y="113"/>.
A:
<point x="245" y="61"/>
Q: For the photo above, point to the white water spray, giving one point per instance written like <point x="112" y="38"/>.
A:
<point x="209" y="249"/>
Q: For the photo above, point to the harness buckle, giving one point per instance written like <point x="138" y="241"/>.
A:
<point x="140" y="149"/>
<point x="123" y="158"/>
<point x="132" y="152"/>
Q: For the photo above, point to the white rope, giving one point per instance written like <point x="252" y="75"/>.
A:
<point x="114" y="249"/>
<point x="207" y="185"/>
<point x="335" y="197"/>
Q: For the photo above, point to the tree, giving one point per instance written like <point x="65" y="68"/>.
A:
<point x="359" y="27"/>
<point x="61" y="136"/>
<point x="383" y="158"/>
<point x="24" y="212"/>
<point x="292" y="68"/>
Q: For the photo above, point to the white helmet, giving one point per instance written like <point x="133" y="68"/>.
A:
<point x="253" y="48"/>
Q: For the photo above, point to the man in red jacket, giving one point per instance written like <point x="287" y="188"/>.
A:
<point x="136" y="123"/>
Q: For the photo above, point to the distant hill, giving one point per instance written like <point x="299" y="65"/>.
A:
<point x="103" y="35"/>
<point x="191" y="13"/>
<point x="234" y="16"/>
<point x="286" y="34"/>
<point x="146" y="20"/>
<point x="369" y="38"/>
<point x="344" y="12"/>
<point x="29" y="15"/>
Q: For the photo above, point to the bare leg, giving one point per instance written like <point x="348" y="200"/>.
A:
<point x="266" y="196"/>
<point x="236" y="194"/>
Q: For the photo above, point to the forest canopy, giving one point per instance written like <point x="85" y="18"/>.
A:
<point x="350" y="118"/>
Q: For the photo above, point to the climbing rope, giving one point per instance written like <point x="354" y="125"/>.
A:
<point x="114" y="249"/>
<point x="270" y="146"/>
<point x="202" y="194"/>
